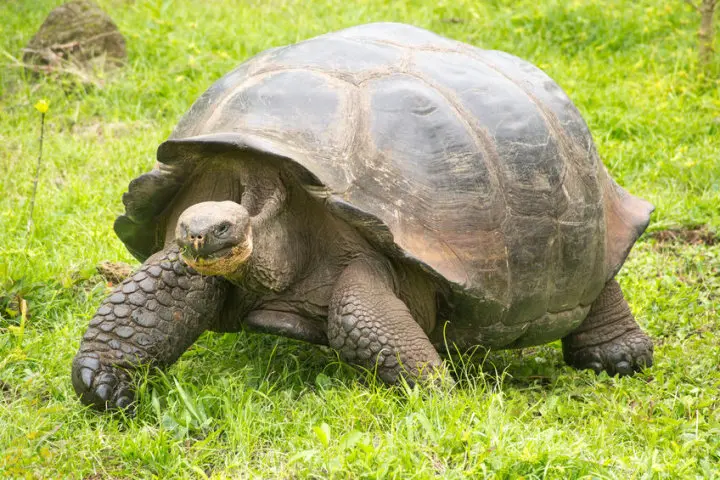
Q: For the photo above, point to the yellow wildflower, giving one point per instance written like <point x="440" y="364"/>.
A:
<point x="42" y="106"/>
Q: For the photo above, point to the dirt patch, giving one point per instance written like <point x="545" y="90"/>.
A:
<point x="114" y="272"/>
<point x="700" y="235"/>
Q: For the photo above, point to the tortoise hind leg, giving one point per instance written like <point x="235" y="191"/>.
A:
<point x="609" y="338"/>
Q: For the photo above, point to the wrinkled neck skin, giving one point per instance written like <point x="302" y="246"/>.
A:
<point x="278" y="254"/>
<point x="276" y="258"/>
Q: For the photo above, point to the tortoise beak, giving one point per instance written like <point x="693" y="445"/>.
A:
<point x="198" y="243"/>
<point x="193" y="242"/>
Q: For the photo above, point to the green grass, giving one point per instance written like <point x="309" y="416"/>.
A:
<point x="246" y="405"/>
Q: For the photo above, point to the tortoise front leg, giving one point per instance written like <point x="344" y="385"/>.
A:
<point x="373" y="328"/>
<point x="151" y="318"/>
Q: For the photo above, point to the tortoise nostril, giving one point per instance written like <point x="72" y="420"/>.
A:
<point x="196" y="241"/>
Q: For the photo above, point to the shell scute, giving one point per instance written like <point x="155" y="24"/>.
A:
<point x="329" y="54"/>
<point x="411" y="126"/>
<point x="525" y="151"/>
<point x="270" y="105"/>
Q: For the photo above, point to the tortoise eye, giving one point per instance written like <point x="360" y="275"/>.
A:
<point x="222" y="228"/>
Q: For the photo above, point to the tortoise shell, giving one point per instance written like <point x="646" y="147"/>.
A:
<point x="472" y="164"/>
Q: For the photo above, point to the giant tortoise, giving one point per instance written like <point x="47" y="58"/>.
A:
<point x="382" y="190"/>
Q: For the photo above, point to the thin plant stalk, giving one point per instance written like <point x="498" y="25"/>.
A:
<point x="37" y="173"/>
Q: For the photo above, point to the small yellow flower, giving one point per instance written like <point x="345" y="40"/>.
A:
<point x="42" y="106"/>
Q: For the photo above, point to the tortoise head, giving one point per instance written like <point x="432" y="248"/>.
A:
<point x="215" y="238"/>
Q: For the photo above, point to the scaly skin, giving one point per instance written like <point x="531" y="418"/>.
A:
<point x="609" y="338"/>
<point x="373" y="328"/>
<point x="151" y="318"/>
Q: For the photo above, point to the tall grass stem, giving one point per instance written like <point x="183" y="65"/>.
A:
<point x="37" y="174"/>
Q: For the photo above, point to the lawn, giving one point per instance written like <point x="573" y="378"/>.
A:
<point x="244" y="405"/>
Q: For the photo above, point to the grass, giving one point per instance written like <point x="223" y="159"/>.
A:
<point x="245" y="405"/>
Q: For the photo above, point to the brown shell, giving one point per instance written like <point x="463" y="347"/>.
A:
<point x="474" y="164"/>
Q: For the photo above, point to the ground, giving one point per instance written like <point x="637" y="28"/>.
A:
<point x="243" y="405"/>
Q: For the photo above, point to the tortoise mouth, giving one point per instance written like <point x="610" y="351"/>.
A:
<point x="223" y="262"/>
<point x="209" y="258"/>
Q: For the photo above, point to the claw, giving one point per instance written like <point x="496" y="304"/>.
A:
<point x="595" y="366"/>
<point x="103" y="392"/>
<point x="623" y="368"/>
<point x="123" y="402"/>
<point x="645" y="362"/>
<point x="86" y="375"/>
